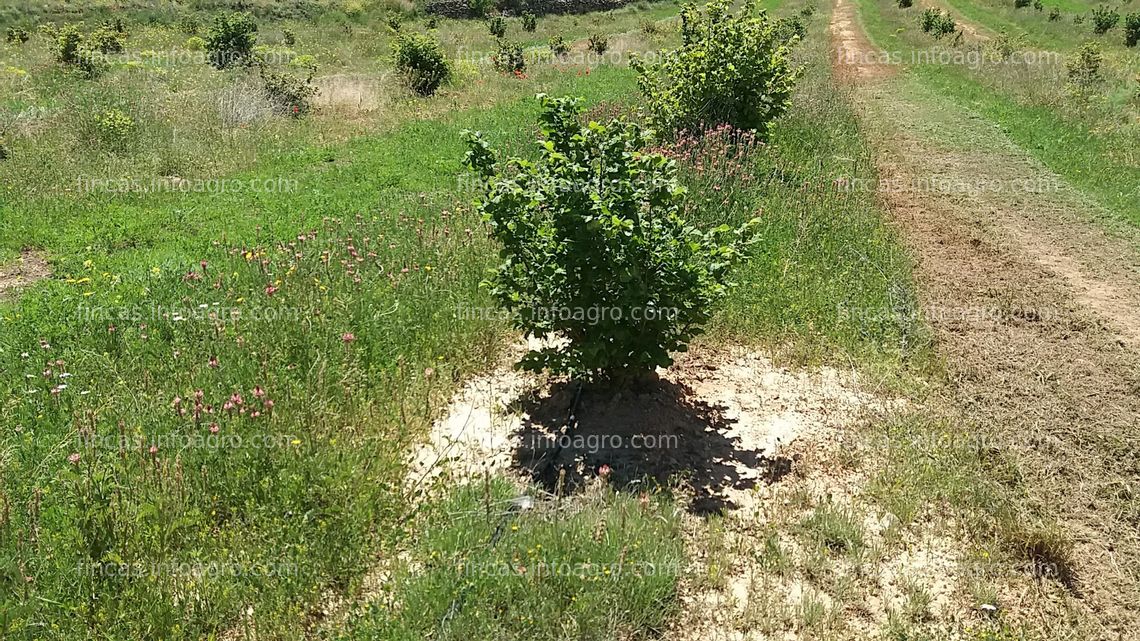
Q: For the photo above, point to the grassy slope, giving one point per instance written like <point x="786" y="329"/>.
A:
<point x="1095" y="162"/>
<point x="197" y="123"/>
<point x="316" y="505"/>
<point x="829" y="272"/>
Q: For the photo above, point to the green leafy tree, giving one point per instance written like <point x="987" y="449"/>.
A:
<point x="230" y="40"/>
<point x="936" y="22"/>
<point x="1084" y="68"/>
<point x="1104" y="19"/>
<point x="509" y="58"/>
<point x="72" y="51"/>
<point x="598" y="43"/>
<point x="558" y="46"/>
<point x="16" y="35"/>
<point x="595" y="250"/>
<point x="730" y="69"/>
<point x="290" y="95"/>
<point x="1131" y="29"/>
<point x="420" y="62"/>
<point x="107" y="40"/>
<point x="497" y="26"/>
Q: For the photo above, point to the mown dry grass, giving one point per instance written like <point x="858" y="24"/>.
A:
<point x="1032" y="423"/>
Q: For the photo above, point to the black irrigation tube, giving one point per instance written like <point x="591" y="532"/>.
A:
<point x="544" y="465"/>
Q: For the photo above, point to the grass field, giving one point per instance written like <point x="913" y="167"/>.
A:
<point x="247" y="320"/>
<point x="1085" y="136"/>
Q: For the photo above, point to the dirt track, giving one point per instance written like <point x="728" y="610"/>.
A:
<point x="1037" y="315"/>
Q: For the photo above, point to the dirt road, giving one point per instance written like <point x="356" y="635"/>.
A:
<point x="1036" y="311"/>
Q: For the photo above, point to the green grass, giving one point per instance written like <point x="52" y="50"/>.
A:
<point x="1036" y="26"/>
<point x="835" y="527"/>
<point x="346" y="290"/>
<point x="1090" y="144"/>
<point x="602" y="566"/>
<point x="327" y="489"/>
<point x="372" y="176"/>
<point x="197" y="123"/>
<point x="828" y="272"/>
<point x="1093" y="162"/>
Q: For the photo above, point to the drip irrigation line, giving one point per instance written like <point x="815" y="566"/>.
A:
<point x="568" y="426"/>
<point x="518" y="504"/>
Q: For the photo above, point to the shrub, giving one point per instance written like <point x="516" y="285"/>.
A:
<point x="1078" y="19"/>
<point x="650" y="28"/>
<point x="189" y="24"/>
<point x="480" y="8"/>
<point x="114" y="129"/>
<point x="1038" y="6"/>
<point x="288" y="37"/>
<point x="927" y="18"/>
<point x="17" y="35"/>
<point x="3" y="150"/>
<point x="394" y="20"/>
<point x="432" y="22"/>
<point x="945" y="25"/>
<point x="304" y="61"/>
<point x="558" y="46"/>
<point x="1131" y="29"/>
<point x="729" y="69"/>
<point x="1054" y="14"/>
<point x="420" y="62"/>
<point x="194" y="43"/>
<point x="598" y="43"/>
<point x="509" y="58"/>
<point x="1104" y="19"/>
<point x="529" y="22"/>
<point x="786" y="28"/>
<point x="594" y="225"/>
<point x="1021" y="4"/>
<point x="1084" y="68"/>
<point x="71" y="51"/>
<point x="289" y="95"/>
<point x="497" y="25"/>
<point x="905" y="4"/>
<point x="68" y="40"/>
<point x="106" y="40"/>
<point x="808" y="11"/>
<point x="1004" y="45"/>
<point x="936" y="22"/>
<point x="231" y="39"/>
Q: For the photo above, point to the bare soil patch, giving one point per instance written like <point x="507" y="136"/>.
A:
<point x="717" y="418"/>
<point x="30" y="267"/>
<point x="743" y="438"/>
<point x="855" y="56"/>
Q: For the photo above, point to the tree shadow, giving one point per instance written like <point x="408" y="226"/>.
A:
<point x="658" y="431"/>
